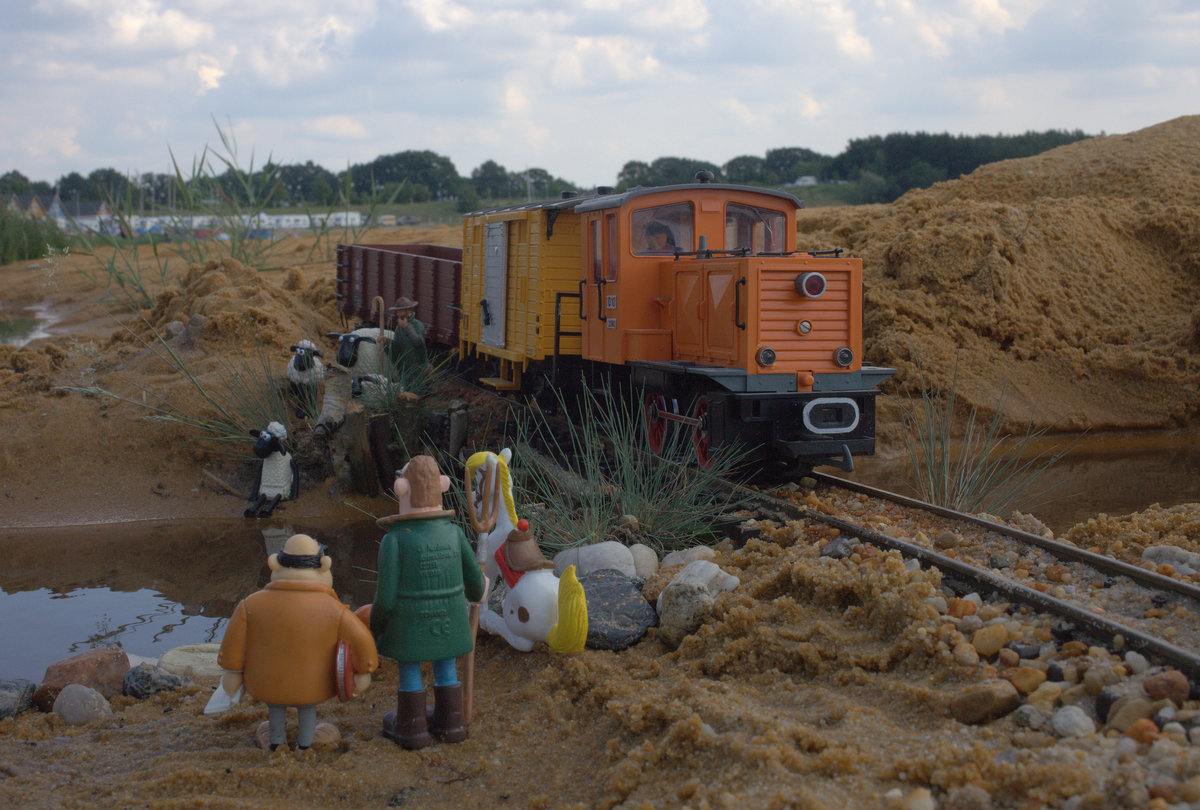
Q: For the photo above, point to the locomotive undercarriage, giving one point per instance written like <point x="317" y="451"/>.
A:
<point x="798" y="429"/>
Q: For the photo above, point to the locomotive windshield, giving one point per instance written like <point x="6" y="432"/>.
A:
<point x="761" y="230"/>
<point x="662" y="229"/>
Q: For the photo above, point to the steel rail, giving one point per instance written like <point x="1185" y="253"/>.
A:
<point x="1064" y="551"/>
<point x="1101" y="626"/>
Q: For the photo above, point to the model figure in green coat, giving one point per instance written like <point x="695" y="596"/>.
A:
<point x="427" y="573"/>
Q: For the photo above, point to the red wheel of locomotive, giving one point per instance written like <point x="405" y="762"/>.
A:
<point x="700" y="434"/>
<point x="656" y="424"/>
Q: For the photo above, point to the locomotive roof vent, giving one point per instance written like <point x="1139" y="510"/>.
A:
<point x="566" y="195"/>
<point x="602" y="190"/>
<point x="704" y="176"/>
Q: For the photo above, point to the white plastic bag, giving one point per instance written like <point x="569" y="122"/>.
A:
<point x="222" y="701"/>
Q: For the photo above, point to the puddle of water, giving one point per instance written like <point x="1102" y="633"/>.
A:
<point x="149" y="587"/>
<point x="22" y="329"/>
<point x="1110" y="474"/>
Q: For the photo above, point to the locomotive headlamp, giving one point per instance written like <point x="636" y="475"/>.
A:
<point x="803" y="327"/>
<point x="843" y="357"/>
<point x="810" y="285"/>
<point x="765" y="356"/>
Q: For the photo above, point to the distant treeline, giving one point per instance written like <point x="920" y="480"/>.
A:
<point x="881" y="166"/>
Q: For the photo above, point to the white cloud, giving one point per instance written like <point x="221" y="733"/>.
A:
<point x="336" y="126"/>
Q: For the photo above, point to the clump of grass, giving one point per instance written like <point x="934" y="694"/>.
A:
<point x="122" y="272"/>
<point x="233" y="202"/>
<point x="22" y="238"/>
<point x="243" y="395"/>
<point x="981" y="468"/>
<point x="609" y="474"/>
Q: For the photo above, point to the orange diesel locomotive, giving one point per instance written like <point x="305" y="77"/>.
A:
<point x="697" y="295"/>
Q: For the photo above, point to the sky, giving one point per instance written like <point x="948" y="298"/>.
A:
<point x="575" y="87"/>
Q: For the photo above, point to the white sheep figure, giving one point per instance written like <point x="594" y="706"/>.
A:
<point x="277" y="476"/>
<point x="306" y="373"/>
<point x="362" y="353"/>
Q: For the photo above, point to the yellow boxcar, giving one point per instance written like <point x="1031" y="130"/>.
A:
<point x="520" y="287"/>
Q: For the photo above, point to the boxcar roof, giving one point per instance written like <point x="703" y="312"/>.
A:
<point x="597" y="202"/>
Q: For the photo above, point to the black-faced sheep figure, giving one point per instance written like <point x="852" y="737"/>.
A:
<point x="306" y="373"/>
<point x="277" y="476"/>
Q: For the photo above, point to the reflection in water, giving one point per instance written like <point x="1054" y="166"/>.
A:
<point x="44" y="627"/>
<point x="149" y="587"/>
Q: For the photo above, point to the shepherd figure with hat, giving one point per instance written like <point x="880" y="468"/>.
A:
<point x="407" y="349"/>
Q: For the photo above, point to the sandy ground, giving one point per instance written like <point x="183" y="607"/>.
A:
<point x="1072" y="278"/>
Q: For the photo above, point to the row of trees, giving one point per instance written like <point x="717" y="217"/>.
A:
<point x="884" y="167"/>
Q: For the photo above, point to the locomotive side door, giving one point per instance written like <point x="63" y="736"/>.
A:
<point x="601" y="332"/>
<point x="495" y="284"/>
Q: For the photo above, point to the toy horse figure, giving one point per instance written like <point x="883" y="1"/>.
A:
<point x="539" y="606"/>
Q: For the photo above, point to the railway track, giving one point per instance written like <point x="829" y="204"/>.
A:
<point x="1092" y="596"/>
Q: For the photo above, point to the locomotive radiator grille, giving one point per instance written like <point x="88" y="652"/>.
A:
<point x="781" y="310"/>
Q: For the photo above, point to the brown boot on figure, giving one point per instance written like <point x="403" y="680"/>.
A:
<point x="447" y="722"/>
<point x="407" y="725"/>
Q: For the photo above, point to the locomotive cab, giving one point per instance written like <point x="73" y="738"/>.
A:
<point x="736" y="335"/>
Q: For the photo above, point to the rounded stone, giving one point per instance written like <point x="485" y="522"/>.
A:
<point x="79" y="705"/>
<point x="1072" y="721"/>
<point x="990" y="640"/>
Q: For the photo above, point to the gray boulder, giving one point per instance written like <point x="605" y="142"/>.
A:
<point x="596" y="557"/>
<point x="618" y="614"/>
<point x="145" y="679"/>
<point x="16" y="696"/>
<point x="688" y="599"/>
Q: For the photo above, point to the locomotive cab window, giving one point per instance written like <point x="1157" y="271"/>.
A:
<point x="661" y="230"/>
<point x="761" y="230"/>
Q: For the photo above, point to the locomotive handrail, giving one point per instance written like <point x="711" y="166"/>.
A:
<point x="582" y="314"/>
<point x="600" y="298"/>
<point x="737" y="303"/>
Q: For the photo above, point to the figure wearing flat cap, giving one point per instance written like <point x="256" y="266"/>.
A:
<point x="427" y="573"/>
<point x="282" y="643"/>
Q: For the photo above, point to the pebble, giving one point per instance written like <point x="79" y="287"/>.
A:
<point x="946" y="539"/>
<point x="689" y="555"/>
<point x="969" y="624"/>
<point x="1029" y="716"/>
<point x="1170" y="685"/>
<point x="645" y="560"/>
<point x="961" y="607"/>
<point x="840" y="547"/>
<point x="1128" y="710"/>
<point x="16" y="696"/>
<point x="965" y="655"/>
<point x="144" y="680"/>
<point x="989" y="640"/>
<point x="1136" y="662"/>
<point x="1007" y="658"/>
<point x="655" y="584"/>
<point x="968" y="797"/>
<point x="1142" y="731"/>
<point x="1046" y="696"/>
<point x="608" y="554"/>
<point x="618" y="614"/>
<point x="938" y="603"/>
<point x="1072" y="721"/>
<point x="1025" y="679"/>
<point x="79" y="705"/>
<point x="688" y="599"/>
<point x="984" y="702"/>
<point x="918" y="799"/>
